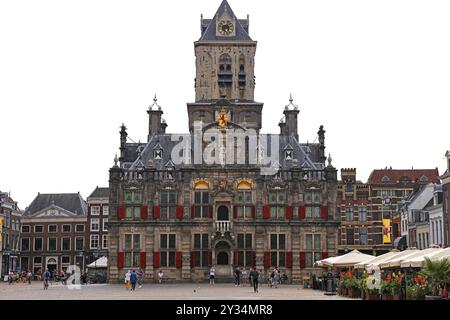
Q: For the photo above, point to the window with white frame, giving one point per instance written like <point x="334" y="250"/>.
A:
<point x="66" y="228"/>
<point x="105" y="241"/>
<point x="363" y="236"/>
<point x="168" y="204"/>
<point x="105" y="224"/>
<point x="94" y="241"/>
<point x="167" y="245"/>
<point x="106" y="210"/>
<point x="65" y="244"/>
<point x="362" y="212"/>
<point x="38" y="229"/>
<point x="52" y="228"/>
<point x="38" y="244"/>
<point x="79" y="243"/>
<point x="312" y="202"/>
<point x="349" y="214"/>
<point x="277" y="250"/>
<point x="244" y="204"/>
<point x="52" y="244"/>
<point x="313" y="249"/>
<point x="95" y="210"/>
<point x="277" y="202"/>
<point x="95" y="224"/>
<point x="79" y="228"/>
<point x="132" y="248"/>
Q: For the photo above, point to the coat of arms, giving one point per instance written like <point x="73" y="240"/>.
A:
<point x="222" y="118"/>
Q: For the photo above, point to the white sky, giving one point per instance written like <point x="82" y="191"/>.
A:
<point x="376" y="74"/>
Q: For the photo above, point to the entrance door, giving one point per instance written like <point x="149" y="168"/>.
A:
<point x="222" y="258"/>
<point x="52" y="265"/>
<point x="222" y="213"/>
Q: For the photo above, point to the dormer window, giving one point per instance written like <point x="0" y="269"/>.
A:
<point x="424" y="179"/>
<point x="385" y="179"/>
<point x="157" y="154"/>
<point x="288" y="154"/>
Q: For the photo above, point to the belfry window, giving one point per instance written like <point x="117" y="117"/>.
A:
<point x="241" y="75"/>
<point x="225" y="75"/>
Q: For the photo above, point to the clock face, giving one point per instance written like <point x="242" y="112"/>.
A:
<point x="225" y="27"/>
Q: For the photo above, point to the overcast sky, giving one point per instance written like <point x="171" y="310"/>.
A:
<point x="376" y="74"/>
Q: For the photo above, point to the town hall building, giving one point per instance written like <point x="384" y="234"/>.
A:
<point x="224" y="194"/>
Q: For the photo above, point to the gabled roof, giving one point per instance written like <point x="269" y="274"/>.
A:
<point x="379" y="176"/>
<point x="209" y="33"/>
<point x="72" y="202"/>
<point x="100" y="193"/>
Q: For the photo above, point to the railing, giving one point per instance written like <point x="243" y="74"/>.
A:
<point x="222" y="226"/>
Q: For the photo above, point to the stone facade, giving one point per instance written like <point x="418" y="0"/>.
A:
<point x="183" y="217"/>
<point x="97" y="224"/>
<point x="446" y="201"/>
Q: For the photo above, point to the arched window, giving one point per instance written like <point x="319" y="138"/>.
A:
<point x="201" y="199"/>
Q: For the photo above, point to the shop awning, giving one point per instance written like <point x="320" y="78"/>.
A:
<point x="99" y="263"/>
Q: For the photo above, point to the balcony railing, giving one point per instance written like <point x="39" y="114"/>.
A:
<point x="222" y="226"/>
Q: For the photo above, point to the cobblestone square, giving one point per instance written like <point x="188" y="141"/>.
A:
<point x="188" y="291"/>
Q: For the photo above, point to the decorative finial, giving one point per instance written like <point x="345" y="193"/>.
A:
<point x="155" y="103"/>
<point x="290" y="98"/>
<point x="291" y="104"/>
<point x="115" y="160"/>
<point x="155" y="99"/>
<point x="329" y="159"/>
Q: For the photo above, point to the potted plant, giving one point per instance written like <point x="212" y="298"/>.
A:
<point x="396" y="286"/>
<point x="363" y="286"/>
<point x="386" y="289"/>
<point x="439" y="272"/>
<point x="373" y="288"/>
<point x="418" y="289"/>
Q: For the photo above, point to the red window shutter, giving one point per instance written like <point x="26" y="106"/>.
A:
<point x="121" y="213"/>
<point x="120" y="259"/>
<point x="210" y="258"/>
<point x="179" y="259"/>
<point x="302" y="260"/>
<point x="143" y="259"/>
<point x="144" y="212"/>
<point x="156" y="212"/>
<point x="324" y="212"/>
<point x="267" y="260"/>
<point x="235" y="210"/>
<point x="192" y="211"/>
<point x="253" y="212"/>
<point x="179" y="212"/>
<point x="288" y="211"/>
<point x="156" y="259"/>
<point x="235" y="258"/>
<point x="289" y="259"/>
<point x="266" y="212"/>
<point x="302" y="212"/>
<point x="210" y="211"/>
<point x="324" y="255"/>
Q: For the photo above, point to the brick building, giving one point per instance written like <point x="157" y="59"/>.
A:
<point x="97" y="222"/>
<point x="389" y="189"/>
<point x="446" y="201"/>
<point x="10" y="217"/>
<point x="54" y="232"/>
<point x="356" y="231"/>
<point x="265" y="201"/>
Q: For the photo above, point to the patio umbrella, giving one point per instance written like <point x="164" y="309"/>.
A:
<point x="417" y="262"/>
<point x="348" y="260"/>
<point x="376" y="260"/>
<point x="396" y="261"/>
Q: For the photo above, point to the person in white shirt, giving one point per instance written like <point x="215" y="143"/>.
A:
<point x="212" y="274"/>
<point x="160" y="276"/>
<point x="127" y="280"/>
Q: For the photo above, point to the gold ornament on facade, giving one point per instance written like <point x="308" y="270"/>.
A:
<point x="222" y="118"/>
<point x="244" y="184"/>
<point x="201" y="184"/>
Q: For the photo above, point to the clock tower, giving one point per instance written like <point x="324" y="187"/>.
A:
<point x="225" y="64"/>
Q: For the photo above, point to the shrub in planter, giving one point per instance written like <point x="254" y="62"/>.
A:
<point x="439" y="274"/>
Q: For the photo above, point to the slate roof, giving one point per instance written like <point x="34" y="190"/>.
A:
<point x="209" y="26"/>
<point x="72" y="202"/>
<point x="100" y="193"/>
<point x="393" y="175"/>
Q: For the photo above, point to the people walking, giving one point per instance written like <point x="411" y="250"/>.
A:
<point x="127" y="280"/>
<point x="244" y="276"/>
<point x="254" y="275"/>
<point x="10" y="277"/>
<point x="46" y="277"/>
<point x="140" y="277"/>
<point x="237" y="277"/>
<point x="133" y="280"/>
<point x="160" y="276"/>
<point x="212" y="275"/>
<point x="29" y="276"/>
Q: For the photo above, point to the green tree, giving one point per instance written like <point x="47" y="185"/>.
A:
<point x="439" y="271"/>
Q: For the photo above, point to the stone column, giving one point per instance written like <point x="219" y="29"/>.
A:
<point x="149" y="248"/>
<point x="296" y="272"/>
<point x="186" y="254"/>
